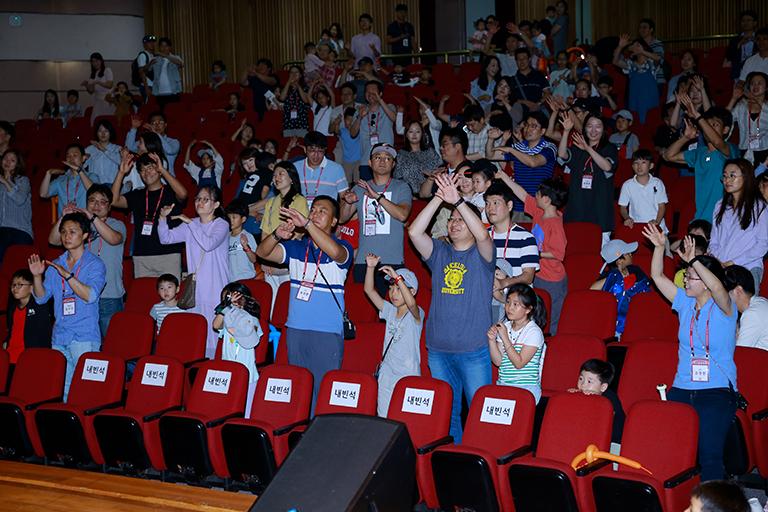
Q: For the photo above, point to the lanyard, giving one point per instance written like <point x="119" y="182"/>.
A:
<point x="317" y="184"/>
<point x="157" y="208"/>
<point x="77" y="186"/>
<point x="706" y="331"/>
<point x="306" y="261"/>
<point x="101" y="242"/>
<point x="64" y="283"/>
<point x="376" y="203"/>
<point x="506" y="242"/>
<point x="321" y="116"/>
<point x="588" y="163"/>
<point x="757" y="123"/>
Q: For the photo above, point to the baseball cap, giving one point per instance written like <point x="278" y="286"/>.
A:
<point x="504" y="266"/>
<point x="615" y="249"/>
<point x="205" y="152"/>
<point x="626" y="114"/>
<point x="408" y="277"/>
<point x="148" y="38"/>
<point x="384" y="147"/>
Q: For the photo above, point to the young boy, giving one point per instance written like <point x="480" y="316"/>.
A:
<point x="242" y="244"/>
<point x="625" y="141"/>
<point x="29" y="323"/>
<point x="168" y="290"/>
<point x="312" y="63"/>
<point x="594" y="378"/>
<point x="719" y="496"/>
<point x="72" y="108"/>
<point x="477" y="131"/>
<point x="72" y="187"/>
<point x="401" y="356"/>
<point x="605" y="90"/>
<point x="643" y="198"/>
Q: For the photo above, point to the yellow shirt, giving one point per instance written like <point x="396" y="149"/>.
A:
<point x="271" y="218"/>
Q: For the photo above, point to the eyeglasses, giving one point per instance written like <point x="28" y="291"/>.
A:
<point x="19" y="285"/>
<point x="102" y="202"/>
<point x="731" y="177"/>
<point x="686" y="277"/>
<point x="204" y="200"/>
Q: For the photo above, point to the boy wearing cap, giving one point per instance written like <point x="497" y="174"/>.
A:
<point x="401" y="354"/>
<point x="623" y="138"/>
<point x="622" y="279"/>
<point x="382" y="205"/>
<point x="643" y="197"/>
<point x="211" y="167"/>
<point x="319" y="176"/>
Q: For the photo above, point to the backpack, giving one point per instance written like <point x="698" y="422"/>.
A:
<point x="135" y="76"/>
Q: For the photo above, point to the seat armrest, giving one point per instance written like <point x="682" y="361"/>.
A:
<point x="285" y="429"/>
<point x="94" y="410"/>
<point x="35" y="405"/>
<point x="679" y="478"/>
<point x="421" y="450"/>
<point x="219" y="421"/>
<point x="156" y="415"/>
<point x="507" y="457"/>
<point x="592" y="467"/>
<point x="760" y="415"/>
<point x="188" y="364"/>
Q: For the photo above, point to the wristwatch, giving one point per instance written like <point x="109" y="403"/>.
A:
<point x="380" y="197"/>
<point x="277" y="237"/>
<point x="70" y="276"/>
<point x="459" y="202"/>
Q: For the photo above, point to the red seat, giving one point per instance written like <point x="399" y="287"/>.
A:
<point x="647" y="364"/>
<point x="583" y="238"/>
<point x="751" y="363"/>
<point x="183" y="337"/>
<point x="663" y="438"/>
<point x="571" y="422"/>
<point x="650" y="316"/>
<point x="15" y="258"/>
<point x="363" y="354"/>
<point x="359" y="308"/>
<point x="633" y="234"/>
<point x="563" y="358"/>
<point x="546" y="299"/>
<point x="5" y="363"/>
<point x="499" y="428"/>
<point x="582" y="269"/>
<point x="345" y="392"/>
<point x="18" y="432"/>
<point x="280" y="311"/>
<point x="142" y="295"/>
<point x="590" y="312"/>
<point x="255" y="447"/>
<point x="424" y="405"/>
<point x="66" y="429"/>
<point x="191" y="439"/>
<point x="129" y="437"/>
<point x="129" y="335"/>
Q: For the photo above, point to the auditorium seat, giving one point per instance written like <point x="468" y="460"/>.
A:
<point x="582" y="270"/>
<point x="648" y="363"/>
<point x="565" y="353"/>
<point x="498" y="429"/>
<point x="129" y="336"/>
<point x="663" y="438"/>
<point x="589" y="312"/>
<point x="183" y="336"/>
<point x="650" y="316"/>
<point x="571" y="422"/>
<point x="546" y="299"/>
<point x="66" y="429"/>
<point x="346" y="392"/>
<point x="142" y="295"/>
<point x="424" y="405"/>
<point x="255" y="447"/>
<point x="356" y="302"/>
<point x="583" y="238"/>
<point x="262" y="292"/>
<point x="280" y="311"/>
<point x="191" y="438"/>
<point x="129" y="437"/>
<point x="27" y="392"/>
<point x="751" y="363"/>
<point x="364" y="353"/>
<point x="5" y="363"/>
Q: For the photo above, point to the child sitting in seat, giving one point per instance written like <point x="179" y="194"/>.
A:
<point x="168" y="290"/>
<point x="625" y="141"/>
<point x="643" y="198"/>
<point x="622" y="279"/>
<point x="594" y="378"/>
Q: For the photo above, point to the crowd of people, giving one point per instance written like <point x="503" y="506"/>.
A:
<point x="481" y="192"/>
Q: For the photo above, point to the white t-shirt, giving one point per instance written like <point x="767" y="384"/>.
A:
<point x="753" y="326"/>
<point x="240" y="267"/>
<point x="644" y="200"/>
<point x="164" y="82"/>
<point x="754" y="63"/>
<point x="322" y="118"/>
<point x="141" y="60"/>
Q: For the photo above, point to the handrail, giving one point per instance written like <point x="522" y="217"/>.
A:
<point x="713" y="37"/>
<point x="445" y="54"/>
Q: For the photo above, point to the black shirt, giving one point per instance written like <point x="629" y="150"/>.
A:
<point x="143" y="205"/>
<point x="529" y="87"/>
<point x="253" y="184"/>
<point x="37" y="326"/>
<point x="396" y="29"/>
<point x="259" y="88"/>
<point x="591" y="200"/>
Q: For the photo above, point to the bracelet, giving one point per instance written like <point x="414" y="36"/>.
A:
<point x="399" y="278"/>
<point x="459" y="202"/>
<point x="70" y="276"/>
<point x="276" y="236"/>
<point x="380" y="197"/>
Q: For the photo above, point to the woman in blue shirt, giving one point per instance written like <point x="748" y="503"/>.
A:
<point x="483" y="86"/>
<point x="706" y="371"/>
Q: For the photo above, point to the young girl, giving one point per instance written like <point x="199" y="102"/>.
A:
<point x="211" y="167"/>
<point x="296" y="102"/>
<point x="50" y="108"/>
<point x="401" y="353"/>
<point x="558" y="79"/>
<point x="234" y="105"/>
<point x="479" y="37"/>
<point x="29" y="323"/>
<point x="321" y="108"/>
<point x="643" y="92"/>
<point x="218" y="74"/>
<point x="122" y="100"/>
<point x="517" y="344"/>
<point x="239" y="328"/>
<point x="99" y="84"/>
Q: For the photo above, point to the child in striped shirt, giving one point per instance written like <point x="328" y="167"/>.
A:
<point x="168" y="290"/>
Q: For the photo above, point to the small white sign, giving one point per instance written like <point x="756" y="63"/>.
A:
<point x="418" y="401"/>
<point x="95" y="369"/>
<point x="278" y="390"/>
<point x="498" y="410"/>
<point x="345" y="394"/>
<point x="217" y="381"/>
<point x="154" y="375"/>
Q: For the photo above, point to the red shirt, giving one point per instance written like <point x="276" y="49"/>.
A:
<point x="16" y="342"/>
<point x="550" y="236"/>
<point x="349" y="231"/>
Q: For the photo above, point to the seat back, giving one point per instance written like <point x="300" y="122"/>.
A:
<point x="346" y="392"/>
<point x="5" y="363"/>
<point x="589" y="312"/>
<point x="183" y="336"/>
<point x="26" y="384"/>
<point x="662" y="436"/>
<point x="572" y="422"/>
<point x="129" y="335"/>
<point x="564" y="356"/>
<point x="142" y="295"/>
<point x="359" y="307"/>
<point x="219" y="389"/>
<point x="582" y="269"/>
<point x="363" y="353"/>
<point x="642" y="308"/>
<point x="583" y="238"/>
<point x="280" y="311"/>
<point x="648" y="363"/>
<point x="424" y="405"/>
<point x="157" y="384"/>
<point x="283" y="395"/>
<point x="98" y="380"/>
<point x="500" y="419"/>
<point x="262" y="292"/>
<point x="750" y="364"/>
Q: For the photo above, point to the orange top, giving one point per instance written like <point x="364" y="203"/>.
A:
<point x="550" y="237"/>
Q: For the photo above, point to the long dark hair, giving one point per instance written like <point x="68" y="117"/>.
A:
<point x="603" y="138"/>
<point x="47" y="109"/>
<point x="482" y="80"/>
<point x="751" y="204"/>
<point x="302" y="83"/>
<point x="251" y="306"/>
<point x="423" y="143"/>
<point x="529" y="298"/>
<point x="215" y="193"/>
<point x="295" y="189"/>
<point x="111" y="129"/>
<point x="102" y="65"/>
<point x="153" y="144"/>
<point x="339" y="33"/>
<point x="19" y="169"/>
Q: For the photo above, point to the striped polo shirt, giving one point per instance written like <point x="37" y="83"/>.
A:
<point x="530" y="374"/>
<point x="327" y="179"/>
<point x="518" y="247"/>
<point x="531" y="177"/>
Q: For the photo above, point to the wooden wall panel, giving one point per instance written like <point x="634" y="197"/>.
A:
<point x="241" y="31"/>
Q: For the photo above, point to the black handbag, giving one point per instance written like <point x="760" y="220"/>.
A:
<point x="350" y="332"/>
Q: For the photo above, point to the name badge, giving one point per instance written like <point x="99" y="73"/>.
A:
<point x="370" y="227"/>
<point x="146" y="228"/>
<point x="68" y="306"/>
<point x="586" y="182"/>
<point x="154" y="375"/>
<point x="374" y="139"/>
<point x="498" y="410"/>
<point x="305" y="291"/>
<point x="294" y="114"/>
<point x="217" y="381"/>
<point x="754" y="142"/>
<point x="405" y="43"/>
<point x="700" y="369"/>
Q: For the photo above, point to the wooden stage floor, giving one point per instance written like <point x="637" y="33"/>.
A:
<point x="31" y="487"/>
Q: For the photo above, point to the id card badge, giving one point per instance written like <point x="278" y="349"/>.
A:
<point x="586" y="182"/>
<point x="405" y="43"/>
<point x="305" y="291"/>
<point x="68" y="305"/>
<point x="754" y="142"/>
<point x="370" y="227"/>
<point x="146" y="228"/>
<point x="294" y="114"/>
<point x="374" y="139"/>
<point x="700" y="369"/>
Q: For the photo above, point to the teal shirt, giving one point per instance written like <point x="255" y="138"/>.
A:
<point x="708" y="169"/>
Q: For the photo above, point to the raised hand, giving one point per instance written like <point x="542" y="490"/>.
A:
<point x="567" y="121"/>
<point x="126" y="161"/>
<point x="166" y="210"/>
<point x="624" y="40"/>
<point x="244" y="242"/>
<point x="446" y="188"/>
<point x="389" y="271"/>
<point x="63" y="272"/>
<point x="687" y="250"/>
<point x="56" y="172"/>
<point x="159" y="163"/>
<point x="580" y="142"/>
<point x="285" y="230"/>
<point x="690" y="131"/>
<point x="493" y="333"/>
<point x="295" y="216"/>
<point x="367" y="189"/>
<point x="183" y="218"/>
<point x="738" y="91"/>
<point x="36" y="265"/>
<point x="655" y="235"/>
<point x="371" y="260"/>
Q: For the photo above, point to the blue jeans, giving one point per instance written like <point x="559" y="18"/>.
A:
<point x="715" y="408"/>
<point x="107" y="308"/>
<point x="72" y="353"/>
<point x="466" y="372"/>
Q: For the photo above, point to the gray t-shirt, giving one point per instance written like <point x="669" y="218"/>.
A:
<point x="618" y="139"/>
<point x="379" y="232"/>
<point x="404" y="356"/>
<point x="240" y="267"/>
<point x="374" y="128"/>
<point x="112" y="256"/>
<point x="462" y="290"/>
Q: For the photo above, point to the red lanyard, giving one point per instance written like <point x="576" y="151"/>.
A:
<point x="588" y="162"/>
<point x="706" y="331"/>
<point x="77" y="186"/>
<point x="306" y="261"/>
<point x="63" y="281"/>
<point x="101" y="242"/>
<point x="317" y="184"/>
<point x="506" y="242"/>
<point x="157" y="208"/>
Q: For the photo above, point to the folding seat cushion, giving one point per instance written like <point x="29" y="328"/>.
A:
<point x="347" y="392"/>
<point x="589" y="312"/>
